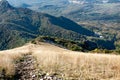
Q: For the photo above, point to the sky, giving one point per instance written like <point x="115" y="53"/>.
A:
<point x="18" y="2"/>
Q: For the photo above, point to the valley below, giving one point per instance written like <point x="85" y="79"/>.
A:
<point x="44" y="61"/>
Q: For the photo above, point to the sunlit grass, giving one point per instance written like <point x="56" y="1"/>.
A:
<point x="67" y="64"/>
<point x="77" y="65"/>
<point x="8" y="59"/>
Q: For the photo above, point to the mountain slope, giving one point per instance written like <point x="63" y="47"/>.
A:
<point x="107" y="11"/>
<point x="100" y="16"/>
<point x="21" y="24"/>
<point x="80" y="9"/>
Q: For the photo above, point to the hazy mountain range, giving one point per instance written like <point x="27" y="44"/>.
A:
<point x="100" y="16"/>
<point x="17" y="3"/>
<point x="74" y="9"/>
<point x="93" y="1"/>
<point x="18" y="25"/>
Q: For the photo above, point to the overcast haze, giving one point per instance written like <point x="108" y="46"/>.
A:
<point x="18" y="2"/>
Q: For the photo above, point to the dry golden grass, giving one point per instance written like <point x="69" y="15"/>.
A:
<point x="68" y="64"/>
<point x="8" y="58"/>
<point x="77" y="65"/>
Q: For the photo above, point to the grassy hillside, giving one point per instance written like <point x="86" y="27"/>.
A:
<point x="62" y="63"/>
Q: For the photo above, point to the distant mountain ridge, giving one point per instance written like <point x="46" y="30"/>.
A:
<point x="100" y="16"/>
<point x="78" y="10"/>
<point x="93" y="1"/>
<point x="18" y="25"/>
<point x="57" y="2"/>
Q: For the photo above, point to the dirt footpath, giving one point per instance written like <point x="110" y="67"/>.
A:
<point x="26" y="69"/>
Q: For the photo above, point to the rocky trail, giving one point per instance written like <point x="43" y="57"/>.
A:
<point x="26" y="69"/>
